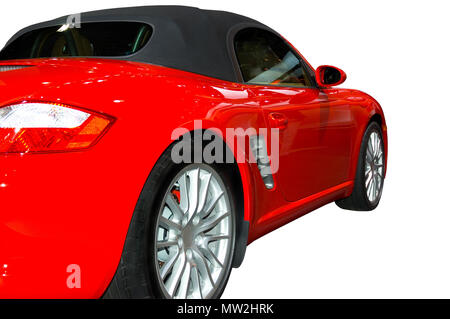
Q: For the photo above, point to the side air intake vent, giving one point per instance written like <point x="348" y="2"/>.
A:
<point x="4" y="68"/>
<point x="259" y="149"/>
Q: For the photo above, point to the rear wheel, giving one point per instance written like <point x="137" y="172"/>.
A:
<point x="194" y="236"/>
<point x="181" y="240"/>
<point x="369" y="177"/>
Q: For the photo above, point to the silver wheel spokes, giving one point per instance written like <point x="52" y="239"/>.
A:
<point x="374" y="167"/>
<point x="193" y="236"/>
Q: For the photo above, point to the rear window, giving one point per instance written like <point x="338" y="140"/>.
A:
<point x="95" y="39"/>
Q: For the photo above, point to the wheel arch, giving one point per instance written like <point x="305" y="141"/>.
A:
<point x="240" y="175"/>
<point x="378" y="118"/>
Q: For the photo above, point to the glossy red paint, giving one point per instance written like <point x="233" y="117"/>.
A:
<point x="75" y="208"/>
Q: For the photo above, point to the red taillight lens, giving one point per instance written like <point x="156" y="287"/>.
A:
<point x="44" y="127"/>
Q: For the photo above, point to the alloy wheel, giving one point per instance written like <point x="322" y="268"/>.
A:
<point x="195" y="235"/>
<point x="374" y="167"/>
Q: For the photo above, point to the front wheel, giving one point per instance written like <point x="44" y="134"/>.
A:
<point x="369" y="179"/>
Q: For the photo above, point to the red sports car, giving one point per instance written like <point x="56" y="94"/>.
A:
<point x="142" y="149"/>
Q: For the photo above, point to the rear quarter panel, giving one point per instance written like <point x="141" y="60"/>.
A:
<point x="89" y="196"/>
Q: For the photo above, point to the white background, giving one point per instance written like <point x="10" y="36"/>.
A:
<point x="397" y="51"/>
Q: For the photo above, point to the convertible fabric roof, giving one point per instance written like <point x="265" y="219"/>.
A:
<point x="184" y="38"/>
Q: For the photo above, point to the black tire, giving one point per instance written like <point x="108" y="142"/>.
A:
<point x="136" y="275"/>
<point x="359" y="200"/>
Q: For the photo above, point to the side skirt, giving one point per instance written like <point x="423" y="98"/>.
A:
<point x="293" y="210"/>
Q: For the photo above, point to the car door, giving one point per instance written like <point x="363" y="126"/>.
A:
<point x="314" y="134"/>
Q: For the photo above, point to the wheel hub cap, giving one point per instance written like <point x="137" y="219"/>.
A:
<point x="187" y="237"/>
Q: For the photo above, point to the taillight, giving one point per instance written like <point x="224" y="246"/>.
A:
<point x="48" y="127"/>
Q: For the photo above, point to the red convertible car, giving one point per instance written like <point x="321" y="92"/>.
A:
<point x="142" y="149"/>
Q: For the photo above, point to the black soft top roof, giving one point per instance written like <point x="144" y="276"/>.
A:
<point x="184" y="38"/>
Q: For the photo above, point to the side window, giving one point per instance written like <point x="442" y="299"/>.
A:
<point x="264" y="58"/>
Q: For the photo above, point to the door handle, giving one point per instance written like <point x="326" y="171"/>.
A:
<point x="278" y="120"/>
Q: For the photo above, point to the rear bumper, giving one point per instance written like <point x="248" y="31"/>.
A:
<point x="63" y="209"/>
